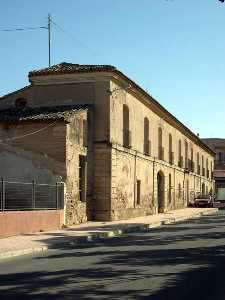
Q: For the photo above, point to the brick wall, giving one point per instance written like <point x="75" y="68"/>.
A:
<point x="25" y="222"/>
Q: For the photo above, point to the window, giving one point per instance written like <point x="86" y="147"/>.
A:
<point x="207" y="168"/>
<point x="82" y="177"/>
<point x="180" y="158"/>
<point x="171" y="157"/>
<point x="126" y="127"/>
<point x="138" y="192"/>
<point x="186" y="155"/>
<point x="203" y="188"/>
<point x="147" y="149"/>
<point x="198" y="164"/>
<point x="170" y="189"/>
<point x="160" y="148"/>
<point x="85" y="133"/>
<point x="203" y="169"/>
<point x="192" y="160"/>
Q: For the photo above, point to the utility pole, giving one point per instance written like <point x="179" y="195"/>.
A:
<point x="49" y="40"/>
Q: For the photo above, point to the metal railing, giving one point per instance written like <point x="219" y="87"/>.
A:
<point x="30" y="196"/>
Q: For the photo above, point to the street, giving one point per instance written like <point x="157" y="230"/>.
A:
<point x="179" y="261"/>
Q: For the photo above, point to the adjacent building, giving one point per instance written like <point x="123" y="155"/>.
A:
<point x="218" y="146"/>
<point x="120" y="153"/>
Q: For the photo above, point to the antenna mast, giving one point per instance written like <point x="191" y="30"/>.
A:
<point x="49" y="40"/>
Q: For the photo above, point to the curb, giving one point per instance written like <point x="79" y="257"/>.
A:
<point x="11" y="254"/>
<point x="107" y="234"/>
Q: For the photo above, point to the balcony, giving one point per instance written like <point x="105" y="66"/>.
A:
<point x="180" y="162"/>
<point x="171" y="157"/>
<point x="147" y="147"/>
<point x="161" y="153"/>
<point x="127" y="138"/>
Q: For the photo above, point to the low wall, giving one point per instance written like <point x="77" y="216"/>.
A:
<point x="24" y="222"/>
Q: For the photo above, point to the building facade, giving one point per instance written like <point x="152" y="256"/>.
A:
<point x="139" y="159"/>
<point x="218" y="146"/>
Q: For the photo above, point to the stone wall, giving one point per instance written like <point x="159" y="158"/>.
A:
<point x="76" y="210"/>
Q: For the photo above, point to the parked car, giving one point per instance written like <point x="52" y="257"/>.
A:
<point x="203" y="201"/>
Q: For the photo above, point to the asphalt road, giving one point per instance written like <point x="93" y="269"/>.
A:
<point x="181" y="261"/>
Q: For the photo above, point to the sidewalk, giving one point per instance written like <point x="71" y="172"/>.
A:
<point x="90" y="231"/>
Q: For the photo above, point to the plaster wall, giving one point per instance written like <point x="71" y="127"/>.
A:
<point x="131" y="165"/>
<point x="33" y="151"/>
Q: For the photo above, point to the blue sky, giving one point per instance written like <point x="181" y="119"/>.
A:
<point x="174" y="49"/>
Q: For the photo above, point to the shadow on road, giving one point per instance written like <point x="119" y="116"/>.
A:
<point x="183" y="261"/>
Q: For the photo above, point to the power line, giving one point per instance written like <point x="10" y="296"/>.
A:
<point x="74" y="39"/>
<point x="28" y="134"/>
<point x="23" y="29"/>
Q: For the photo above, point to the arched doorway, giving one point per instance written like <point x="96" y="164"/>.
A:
<point x="160" y="191"/>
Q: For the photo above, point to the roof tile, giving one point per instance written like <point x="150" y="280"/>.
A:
<point x="15" y="114"/>
<point x="65" y="67"/>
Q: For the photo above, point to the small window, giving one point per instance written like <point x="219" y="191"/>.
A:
<point x="186" y="154"/>
<point x="146" y="137"/>
<point x="138" y="192"/>
<point x="126" y="127"/>
<point x="82" y="177"/>
<point x="160" y="147"/>
<point x="180" y="157"/>
<point x="170" y="189"/>
<point x="171" y="157"/>
<point x="85" y="133"/>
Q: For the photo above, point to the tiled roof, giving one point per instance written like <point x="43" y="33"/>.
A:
<point x="64" y="68"/>
<point x="14" y="114"/>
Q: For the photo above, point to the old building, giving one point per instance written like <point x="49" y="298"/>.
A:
<point x="218" y="146"/>
<point x="138" y="158"/>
